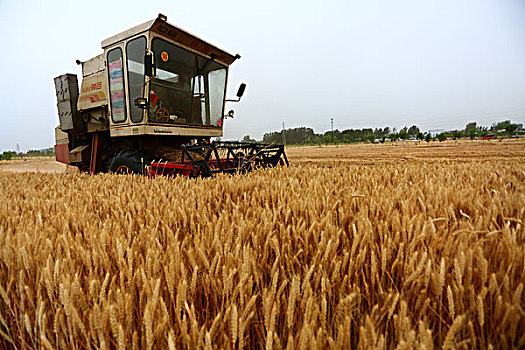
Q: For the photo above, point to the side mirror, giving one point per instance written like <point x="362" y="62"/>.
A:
<point x="240" y="92"/>
<point x="149" y="65"/>
<point x="141" y="102"/>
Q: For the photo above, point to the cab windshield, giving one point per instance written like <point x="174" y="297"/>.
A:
<point x="187" y="88"/>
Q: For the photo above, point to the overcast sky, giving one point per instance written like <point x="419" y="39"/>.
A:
<point x="437" y="64"/>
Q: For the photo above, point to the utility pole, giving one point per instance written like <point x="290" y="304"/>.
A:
<point x="332" y="122"/>
<point x="284" y="136"/>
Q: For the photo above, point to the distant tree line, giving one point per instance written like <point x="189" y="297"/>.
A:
<point x="473" y="131"/>
<point x="305" y="135"/>
<point x="308" y="136"/>
<point x="8" y="155"/>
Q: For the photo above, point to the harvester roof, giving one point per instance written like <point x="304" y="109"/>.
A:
<point x="160" y="26"/>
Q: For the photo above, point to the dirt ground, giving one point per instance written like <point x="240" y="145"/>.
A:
<point x="355" y="153"/>
<point x="463" y="150"/>
<point x="33" y="164"/>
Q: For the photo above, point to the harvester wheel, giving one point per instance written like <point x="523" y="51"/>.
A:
<point x="127" y="162"/>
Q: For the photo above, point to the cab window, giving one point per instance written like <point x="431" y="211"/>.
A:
<point x="135" y="50"/>
<point x="116" y="85"/>
<point x="188" y="88"/>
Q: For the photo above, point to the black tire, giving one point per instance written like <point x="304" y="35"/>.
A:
<point x="128" y="162"/>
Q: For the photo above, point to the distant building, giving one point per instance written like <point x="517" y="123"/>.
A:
<point x="520" y="127"/>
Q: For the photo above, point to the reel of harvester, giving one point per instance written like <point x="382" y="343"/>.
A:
<point x="208" y="159"/>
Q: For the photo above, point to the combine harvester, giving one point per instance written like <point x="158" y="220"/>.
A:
<point x="150" y="104"/>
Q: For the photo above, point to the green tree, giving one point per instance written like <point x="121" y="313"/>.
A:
<point x="511" y="129"/>
<point x="413" y="130"/>
<point x="456" y="134"/>
<point x="7" y="155"/>
<point x="403" y="133"/>
<point x="293" y="136"/>
<point x="472" y="133"/>
<point x="380" y="133"/>
<point x="470" y="126"/>
<point x="420" y="135"/>
<point x="393" y="136"/>
<point x="442" y="136"/>
<point x="428" y="137"/>
<point x="499" y="126"/>
<point x="370" y="137"/>
<point x="247" y="138"/>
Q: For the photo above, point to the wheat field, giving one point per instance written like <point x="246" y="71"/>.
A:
<point x="352" y="247"/>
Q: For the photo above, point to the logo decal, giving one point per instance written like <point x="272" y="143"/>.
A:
<point x="164" y="56"/>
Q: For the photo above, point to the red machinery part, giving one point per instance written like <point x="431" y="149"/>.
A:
<point x="62" y="153"/>
<point x="221" y="157"/>
<point x="170" y="168"/>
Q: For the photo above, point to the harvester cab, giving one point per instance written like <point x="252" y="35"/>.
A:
<point x="151" y="102"/>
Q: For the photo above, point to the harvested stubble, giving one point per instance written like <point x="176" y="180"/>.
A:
<point x="418" y="254"/>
